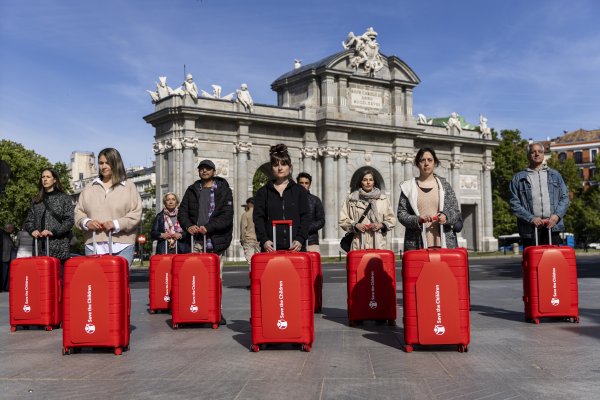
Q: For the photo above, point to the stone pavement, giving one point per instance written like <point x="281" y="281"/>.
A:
<point x="507" y="358"/>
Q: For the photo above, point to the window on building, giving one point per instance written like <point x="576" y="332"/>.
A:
<point x="593" y="154"/>
<point x="580" y="172"/>
<point x="81" y="176"/>
<point x="592" y="174"/>
<point x="562" y="156"/>
<point x="578" y="156"/>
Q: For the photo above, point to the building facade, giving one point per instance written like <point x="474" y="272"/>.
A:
<point x="349" y="111"/>
<point x="582" y="146"/>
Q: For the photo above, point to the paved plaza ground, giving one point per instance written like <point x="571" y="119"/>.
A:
<point x="507" y="358"/>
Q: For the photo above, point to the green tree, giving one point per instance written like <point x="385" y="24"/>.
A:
<point x="509" y="158"/>
<point x="259" y="180"/>
<point x="26" y="166"/>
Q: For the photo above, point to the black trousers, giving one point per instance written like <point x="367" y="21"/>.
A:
<point x="542" y="239"/>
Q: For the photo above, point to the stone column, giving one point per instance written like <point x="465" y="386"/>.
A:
<point x="176" y="164"/>
<point x="189" y="146"/>
<point x="327" y="91"/>
<point x="158" y="148"/>
<point x="398" y="159"/>
<point x="456" y="164"/>
<point x="408" y="165"/>
<point x="241" y="185"/>
<point x="408" y="104"/>
<point x="309" y="160"/>
<point x="343" y="183"/>
<point x="329" y="193"/>
<point x="489" y="242"/>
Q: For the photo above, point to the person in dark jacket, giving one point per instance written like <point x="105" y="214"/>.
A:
<point x="281" y="199"/>
<point x="51" y="216"/>
<point x="166" y="230"/>
<point x="315" y="210"/>
<point x="207" y="209"/>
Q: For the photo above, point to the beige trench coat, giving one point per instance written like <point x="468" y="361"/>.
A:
<point x="350" y="214"/>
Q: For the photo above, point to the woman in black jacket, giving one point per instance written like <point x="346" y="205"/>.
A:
<point x="166" y="230"/>
<point x="279" y="199"/>
<point x="51" y="216"/>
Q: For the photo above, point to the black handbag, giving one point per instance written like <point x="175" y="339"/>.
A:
<point x="346" y="242"/>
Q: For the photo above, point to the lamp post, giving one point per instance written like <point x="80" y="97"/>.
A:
<point x="141" y="239"/>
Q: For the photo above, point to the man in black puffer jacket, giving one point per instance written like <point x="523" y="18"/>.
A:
<point x="207" y="209"/>
<point x="315" y="210"/>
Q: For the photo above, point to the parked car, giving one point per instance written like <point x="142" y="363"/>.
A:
<point x="594" y="246"/>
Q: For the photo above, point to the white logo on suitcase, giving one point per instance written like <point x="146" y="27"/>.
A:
<point x="282" y="324"/>
<point x="555" y="301"/>
<point x="167" y="299"/>
<point x="439" y="330"/>
<point x="373" y="304"/>
<point x="26" y="307"/>
<point x="194" y="308"/>
<point x="90" y="328"/>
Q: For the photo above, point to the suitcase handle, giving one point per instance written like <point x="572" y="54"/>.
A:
<point x="110" y="243"/>
<point x="433" y="219"/>
<point x="545" y="221"/>
<point x="192" y="238"/>
<point x="37" y="253"/>
<point x="276" y="222"/>
<point x="167" y="246"/>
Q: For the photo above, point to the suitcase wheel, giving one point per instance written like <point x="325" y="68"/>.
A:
<point x="215" y="326"/>
<point x="575" y="320"/>
<point x="391" y="322"/>
<point x="254" y="348"/>
<point x="13" y="328"/>
<point x="67" y="351"/>
<point x="463" y="348"/>
<point x="175" y="326"/>
<point x="118" y="351"/>
<point x="535" y="321"/>
<point x="408" y="348"/>
<point x="306" y="348"/>
<point x="48" y="328"/>
<point x="152" y="311"/>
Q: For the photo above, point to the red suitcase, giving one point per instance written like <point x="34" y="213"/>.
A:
<point x="281" y="297"/>
<point x="35" y="291"/>
<point x="96" y="303"/>
<point x="196" y="293"/>
<point x="435" y="286"/>
<point x="550" y="282"/>
<point x="160" y="281"/>
<point x="371" y="286"/>
<point x="317" y="276"/>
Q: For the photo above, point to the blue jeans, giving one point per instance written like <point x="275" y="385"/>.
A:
<point x="126" y="253"/>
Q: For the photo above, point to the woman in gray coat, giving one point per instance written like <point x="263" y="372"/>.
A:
<point x="428" y="201"/>
<point x="51" y="216"/>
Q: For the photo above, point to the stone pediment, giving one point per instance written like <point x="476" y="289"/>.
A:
<point x="393" y="69"/>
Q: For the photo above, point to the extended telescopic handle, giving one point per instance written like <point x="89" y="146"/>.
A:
<point x="549" y="232"/>
<point x="37" y="253"/>
<point x="167" y="246"/>
<point x="110" y="242"/>
<point x="276" y="222"/>
<point x="203" y="248"/>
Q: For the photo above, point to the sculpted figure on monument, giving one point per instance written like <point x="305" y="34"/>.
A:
<point x="453" y="121"/>
<point x="188" y="87"/>
<point x="422" y="119"/>
<point x="486" y="132"/>
<point x="244" y="98"/>
<point x="366" y="51"/>
<point x="216" y="94"/>
<point x="162" y="90"/>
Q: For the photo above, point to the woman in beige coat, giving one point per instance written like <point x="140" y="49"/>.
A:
<point x="372" y="231"/>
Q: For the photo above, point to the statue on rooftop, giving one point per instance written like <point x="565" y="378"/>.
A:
<point x="453" y="121"/>
<point x="486" y="132"/>
<point x="162" y="90"/>
<point x="244" y="98"/>
<point x="366" y="51"/>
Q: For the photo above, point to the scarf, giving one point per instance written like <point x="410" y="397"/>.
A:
<point x="211" y="209"/>
<point x="169" y="227"/>
<point x="371" y="198"/>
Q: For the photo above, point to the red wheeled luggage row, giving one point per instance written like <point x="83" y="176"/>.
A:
<point x="35" y="291"/>
<point x="97" y="303"/>
<point x="550" y="282"/>
<point x="281" y="297"/>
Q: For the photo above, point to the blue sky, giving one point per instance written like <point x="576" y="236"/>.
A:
<point x="73" y="73"/>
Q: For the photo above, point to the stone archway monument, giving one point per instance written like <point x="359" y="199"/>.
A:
<point x="346" y="111"/>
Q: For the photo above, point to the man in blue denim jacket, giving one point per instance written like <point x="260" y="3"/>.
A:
<point x="538" y="195"/>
